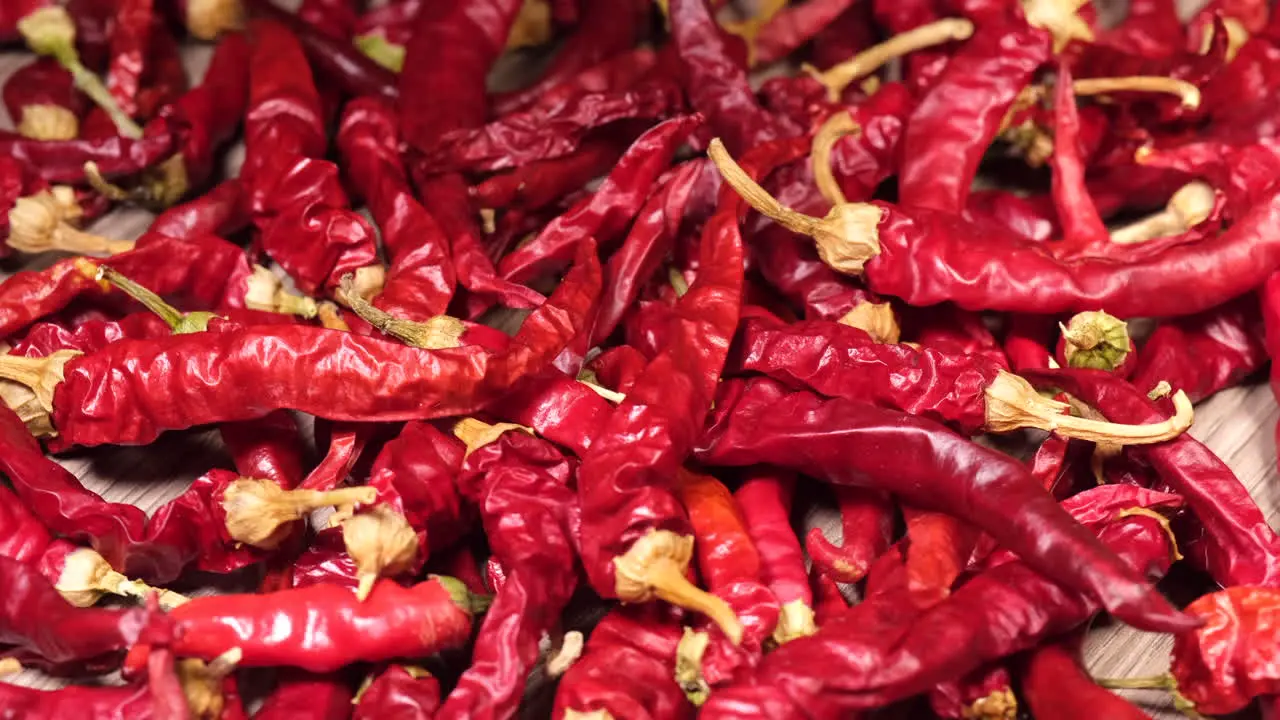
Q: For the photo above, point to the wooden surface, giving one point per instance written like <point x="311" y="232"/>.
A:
<point x="1237" y="424"/>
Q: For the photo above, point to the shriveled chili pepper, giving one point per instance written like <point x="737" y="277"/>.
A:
<point x="64" y="160"/>
<point x="421" y="280"/>
<point x="542" y="183"/>
<point x="522" y="487"/>
<point x="393" y="621"/>
<point x="606" y="213"/>
<point x="221" y="211"/>
<point x="129" y="53"/>
<point x="794" y="26"/>
<point x="764" y="499"/>
<point x="42" y="101"/>
<point x="159" y="699"/>
<point x="834" y="359"/>
<point x="307" y="696"/>
<point x="165" y="79"/>
<point x="619" y="367"/>
<point x="1081" y="225"/>
<point x="775" y="415"/>
<point x="860" y="672"/>
<point x="398" y="691"/>
<point x="625" y="671"/>
<point x="937" y="552"/>
<point x="984" y="693"/>
<point x="635" y="545"/>
<point x="558" y="408"/>
<point x="1057" y="687"/>
<point x="1203" y="353"/>
<point x="866" y="519"/>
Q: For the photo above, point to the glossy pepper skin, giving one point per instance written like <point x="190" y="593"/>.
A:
<point x="558" y="408"/>
<point x="764" y="498"/>
<point x="63" y="160"/>
<point x="944" y="477"/>
<point x="1001" y="611"/>
<point x="41" y="82"/>
<point x="443" y="383"/>
<point x="421" y="279"/>
<point x="866" y="522"/>
<point x="213" y="110"/>
<point x="1237" y="546"/>
<point x="523" y="489"/>
<point x="1221" y="667"/>
<point x="1206" y="352"/>
<point x="327" y="626"/>
<point x="399" y="692"/>
<point x="130" y="42"/>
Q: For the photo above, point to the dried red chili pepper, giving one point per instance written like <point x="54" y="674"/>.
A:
<point x="937" y="551"/>
<point x="774" y="416"/>
<point x="304" y="696"/>
<point x="619" y="367"/>
<point x="859" y="669"/>
<point x="42" y="101"/>
<point x="867" y="519"/>
<point x="130" y="42"/>
<point x="1203" y="353"/>
<point x="606" y="213"/>
<point x="795" y="26"/>
<point x="522" y="487"/>
<point x="560" y="409"/>
<point x="402" y="691"/>
<point x="159" y="699"/>
<point x="1057" y="687"/>
<point x="764" y="498"/>
<point x="542" y="183"/>
<point x="64" y="160"/>
<point x="392" y="622"/>
<point x="420" y="282"/>
<point x="634" y="542"/>
<point x="165" y="79"/>
<point x="625" y="671"/>
<point x="985" y="694"/>
<point x="221" y="211"/>
<point x="1082" y="226"/>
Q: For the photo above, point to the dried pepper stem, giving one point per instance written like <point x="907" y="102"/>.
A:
<point x="1095" y="340"/>
<point x="749" y="29"/>
<point x="381" y="542"/>
<point x="1059" y="18"/>
<point x="1189" y="206"/>
<point x="441" y="331"/>
<point x="206" y="19"/>
<point x="42" y="375"/>
<point x="1189" y="94"/>
<point x="571" y="645"/>
<point x="202" y="682"/>
<point x="475" y="434"/>
<point x="181" y="323"/>
<point x="38" y="223"/>
<point x="689" y="653"/>
<point x="837" y="126"/>
<point x="50" y="32"/>
<point x="86" y="577"/>
<point x="838" y="77"/>
<point x="532" y="25"/>
<point x="846" y="238"/>
<point x="161" y="186"/>
<point x="265" y="292"/>
<point x="259" y="511"/>
<point x="655" y="566"/>
<point x="1012" y="403"/>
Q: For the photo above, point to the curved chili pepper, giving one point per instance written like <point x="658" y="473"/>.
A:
<point x="1081" y="225"/>
<point x="401" y="691"/>
<point x="508" y="477"/>
<point x="937" y="552"/>
<point x="1056" y="687"/>
<point x="857" y="670"/>
<point x="304" y="696"/>
<point x="607" y="212"/>
<point x="1219" y="668"/>
<point x="544" y="182"/>
<point x="43" y="102"/>
<point x="392" y="622"/>
<point x="129" y="52"/>
<point x="222" y="211"/>
<point x="635" y="545"/>
<point x="774" y="416"/>
<point x="866" y="519"/>
<point x="64" y="160"/>
<point x="420" y="282"/>
<point x="795" y="26"/>
<point x="764" y="498"/>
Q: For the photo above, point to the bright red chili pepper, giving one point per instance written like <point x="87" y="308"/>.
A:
<point x="401" y="691"/>
<point x="937" y="552"/>
<point x="1082" y="227"/>
<point x="130" y="41"/>
<point x="1057" y="687"/>
<point x="764" y="498"/>
<point x="1222" y="666"/>
<point x="867" y="520"/>
<point x="560" y="409"/>
<point x="772" y="418"/>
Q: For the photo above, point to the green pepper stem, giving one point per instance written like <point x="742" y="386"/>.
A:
<point x="179" y="322"/>
<point x="382" y="51"/>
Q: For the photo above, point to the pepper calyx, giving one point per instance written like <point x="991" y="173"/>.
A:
<point x="470" y="603"/>
<point x="796" y="620"/>
<point x="206" y="19"/>
<point x="1096" y="340"/>
<point x="381" y="542"/>
<point x="43" y="121"/>
<point x="876" y="320"/>
<point x="689" y="653"/>
<point x="259" y="511"/>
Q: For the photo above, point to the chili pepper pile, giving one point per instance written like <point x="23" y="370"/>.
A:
<point x="542" y="430"/>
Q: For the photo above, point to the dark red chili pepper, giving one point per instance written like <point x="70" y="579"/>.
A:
<point x="945" y="328"/>
<point x="304" y="696"/>
<point x="959" y="117"/>
<point x="619" y="367"/>
<point x="130" y="42"/>
<point x="421" y="280"/>
<point x="508" y="477"/>
<point x="159" y="699"/>
<point x="829" y="602"/>
<point x="604" y="38"/>
<point x="625" y="671"/>
<point x="795" y="26"/>
<point x="392" y="622"/>
<point x="606" y="213"/>
<point x="64" y="160"/>
<point x="222" y="211"/>
<point x="542" y="183"/>
<point x="867" y="520"/>
<point x="774" y="416"/>
<point x="984" y="693"/>
<point x="634" y="542"/>
<point x="165" y="79"/>
<point x="400" y="691"/>
<point x="1237" y="547"/>
<point x="1082" y="227"/>
<point x="1057" y="687"/>
<point x="43" y="102"/>
<point x="764" y="498"/>
<point x="860" y="669"/>
<point x="716" y="83"/>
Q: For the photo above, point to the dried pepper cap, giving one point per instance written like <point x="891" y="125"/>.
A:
<point x="876" y="320"/>
<point x="381" y="542"/>
<point x="437" y="333"/>
<point x="41" y="375"/>
<point x="86" y="577"/>
<point x="43" y="121"/>
<point x="259" y="511"/>
<point x="795" y="620"/>
<point x="207" y="19"/>
<point x="1096" y="340"/>
<point x="39" y="223"/>
<point x="1060" y="19"/>
<point x="202" y="682"/>
<point x="264" y="291"/>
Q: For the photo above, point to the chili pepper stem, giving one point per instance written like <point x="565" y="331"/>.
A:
<point x="331" y="317"/>
<point x="9" y="666"/>
<point x="1188" y="93"/>
<point x="749" y="29"/>
<point x="796" y="620"/>
<point x="875" y="319"/>
<point x="1190" y="205"/>
<point x="37" y="224"/>
<point x="837" y="78"/>
<point x="471" y="603"/>
<point x="589" y="715"/>
<point x="655" y="566"/>
<point x="839" y="125"/>
<point x="1174" y="553"/>
<point x="571" y="645"/>
<point x="846" y="238"/>
<point x="202" y="682"/>
<point x="1012" y="404"/>
<point x="381" y="541"/>
<point x="1000" y="703"/>
<point x="382" y="51"/>
<point x="612" y="396"/>
<point x="689" y="652"/>
<point x="48" y="122"/>
<point x="259" y="511"/>
<point x="475" y="434"/>
<point x="42" y="375"/>
<point x="1059" y="18"/>
<point x="49" y="31"/>
<point x="441" y="331"/>
<point x="86" y="577"/>
<point x="181" y="323"/>
<point x="1095" y="340"/>
<point x="265" y="292"/>
<point x="1155" y="682"/>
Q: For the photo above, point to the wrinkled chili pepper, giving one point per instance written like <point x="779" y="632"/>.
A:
<point x="64" y="160"/>
<point x="937" y="552"/>
<point x="1057" y="687"/>
<point x="508" y="477"/>
<point x="984" y="693"/>
<point x="1082" y="227"/>
<point x="420" y="282"/>
<point x="562" y="410"/>
<point x="129" y="53"/>
<point x="1221" y="667"/>
<point x="399" y="691"/>
<point x="1203" y="353"/>
<point x="393" y="621"/>
<point x="542" y="183"/>
<point x="764" y="499"/>
<point x="774" y="416"/>
<point x="159" y="699"/>
<point x="866" y="519"/>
